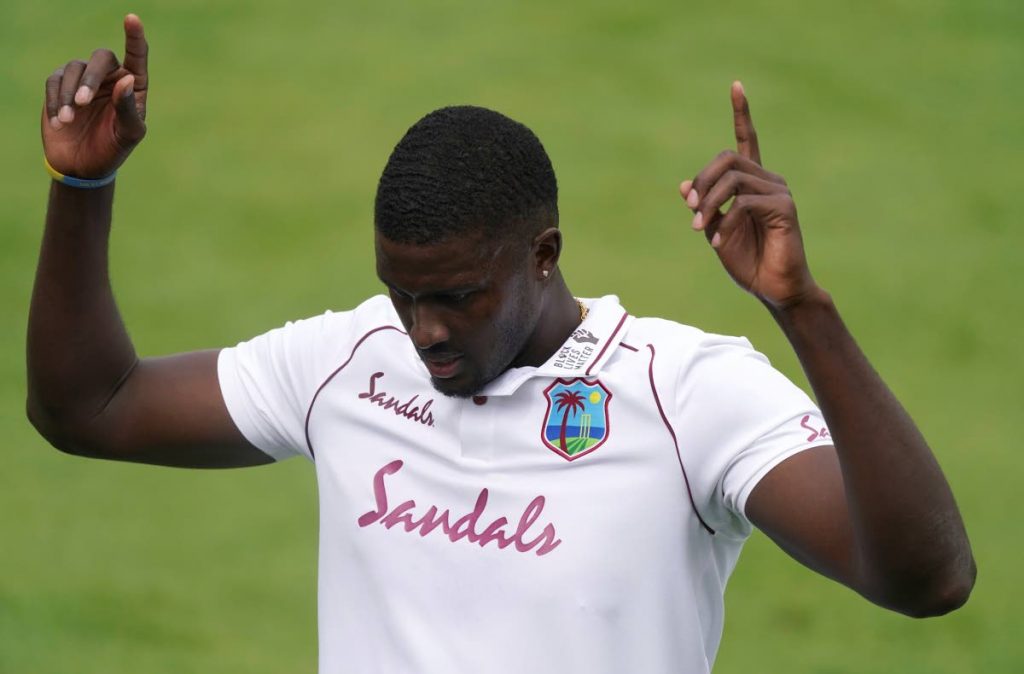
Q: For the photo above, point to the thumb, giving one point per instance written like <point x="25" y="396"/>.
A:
<point x="128" y="125"/>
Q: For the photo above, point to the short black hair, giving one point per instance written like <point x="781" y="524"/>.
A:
<point x="465" y="168"/>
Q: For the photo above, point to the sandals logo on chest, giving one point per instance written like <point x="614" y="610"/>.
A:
<point x="577" y="421"/>
<point x="409" y="409"/>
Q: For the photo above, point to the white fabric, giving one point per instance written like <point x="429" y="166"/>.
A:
<point x="547" y="562"/>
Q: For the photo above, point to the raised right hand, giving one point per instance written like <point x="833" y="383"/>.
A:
<point x="757" y="238"/>
<point x="95" y="112"/>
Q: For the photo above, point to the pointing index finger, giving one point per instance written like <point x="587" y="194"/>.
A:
<point x="136" y="51"/>
<point x="746" y="137"/>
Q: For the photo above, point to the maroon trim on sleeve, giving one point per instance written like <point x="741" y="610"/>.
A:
<point x="341" y="367"/>
<point x="611" y="338"/>
<point x="671" y="431"/>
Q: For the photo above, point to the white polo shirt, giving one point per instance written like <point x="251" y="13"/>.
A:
<point x="581" y="516"/>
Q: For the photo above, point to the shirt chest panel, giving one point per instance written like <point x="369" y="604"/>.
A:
<point x="400" y="465"/>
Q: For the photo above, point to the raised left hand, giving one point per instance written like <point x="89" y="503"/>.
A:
<point x="94" y="113"/>
<point x="758" y="238"/>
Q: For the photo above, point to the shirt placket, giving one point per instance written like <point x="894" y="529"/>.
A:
<point x="477" y="437"/>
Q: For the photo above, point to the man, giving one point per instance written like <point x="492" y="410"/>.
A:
<point x="511" y="479"/>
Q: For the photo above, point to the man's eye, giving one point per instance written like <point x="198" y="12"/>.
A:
<point x="457" y="298"/>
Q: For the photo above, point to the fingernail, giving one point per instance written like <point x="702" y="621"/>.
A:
<point x="692" y="199"/>
<point x="716" y="240"/>
<point x="83" y="95"/>
<point x="685" y="187"/>
<point x="698" y="221"/>
<point x="66" y="114"/>
<point x="55" y="123"/>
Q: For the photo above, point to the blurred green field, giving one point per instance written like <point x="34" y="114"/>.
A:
<point x="898" y="125"/>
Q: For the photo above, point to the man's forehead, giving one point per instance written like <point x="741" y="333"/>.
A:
<point x="459" y="261"/>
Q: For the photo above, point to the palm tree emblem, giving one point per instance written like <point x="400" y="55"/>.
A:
<point x="583" y="408"/>
<point x="567" y="402"/>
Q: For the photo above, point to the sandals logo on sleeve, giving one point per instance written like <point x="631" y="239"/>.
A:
<point x="576" y="422"/>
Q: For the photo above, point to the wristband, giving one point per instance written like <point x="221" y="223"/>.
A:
<point x="82" y="183"/>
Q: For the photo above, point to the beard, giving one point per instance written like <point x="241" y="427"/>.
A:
<point x="509" y="340"/>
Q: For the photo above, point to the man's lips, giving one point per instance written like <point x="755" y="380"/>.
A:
<point x="444" y="367"/>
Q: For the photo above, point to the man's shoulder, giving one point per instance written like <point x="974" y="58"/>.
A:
<point x="677" y="351"/>
<point x="679" y="338"/>
<point x="325" y="336"/>
<point x="374" y="312"/>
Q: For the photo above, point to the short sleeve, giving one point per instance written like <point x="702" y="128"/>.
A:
<point x="738" y="418"/>
<point x="269" y="382"/>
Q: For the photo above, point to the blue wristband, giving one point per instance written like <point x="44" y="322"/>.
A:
<point x="82" y="183"/>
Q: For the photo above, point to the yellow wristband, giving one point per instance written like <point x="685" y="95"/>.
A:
<point x="82" y="183"/>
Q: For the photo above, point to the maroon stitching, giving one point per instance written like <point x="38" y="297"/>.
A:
<point x="657" y="401"/>
<point x="312" y="402"/>
<point x="608" y="343"/>
<point x="627" y="346"/>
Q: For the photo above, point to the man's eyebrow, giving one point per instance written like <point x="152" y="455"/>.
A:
<point x="454" y="290"/>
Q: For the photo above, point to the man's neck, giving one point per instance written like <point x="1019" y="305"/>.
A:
<point x="560" y="315"/>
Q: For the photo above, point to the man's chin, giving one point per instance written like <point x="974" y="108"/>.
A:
<point x="457" y="387"/>
<point x="467" y="383"/>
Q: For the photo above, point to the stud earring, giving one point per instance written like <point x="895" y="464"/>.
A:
<point x="546" y="273"/>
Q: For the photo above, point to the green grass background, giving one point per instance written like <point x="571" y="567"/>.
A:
<point x="898" y="125"/>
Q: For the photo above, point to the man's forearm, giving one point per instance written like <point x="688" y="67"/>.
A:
<point x="910" y="540"/>
<point x="78" y="348"/>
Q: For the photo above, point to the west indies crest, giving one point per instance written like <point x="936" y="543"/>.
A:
<point x="577" y="421"/>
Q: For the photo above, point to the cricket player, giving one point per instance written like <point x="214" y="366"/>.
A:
<point x="511" y="478"/>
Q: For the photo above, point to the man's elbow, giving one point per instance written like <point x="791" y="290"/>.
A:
<point x="59" y="433"/>
<point x="942" y="595"/>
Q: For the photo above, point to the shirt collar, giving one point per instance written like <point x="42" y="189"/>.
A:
<point x="586" y="351"/>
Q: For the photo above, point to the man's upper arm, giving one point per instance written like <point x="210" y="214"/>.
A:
<point x="241" y="406"/>
<point x="801" y="505"/>
<point x="170" y="411"/>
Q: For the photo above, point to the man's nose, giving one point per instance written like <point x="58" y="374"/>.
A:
<point x="427" y="328"/>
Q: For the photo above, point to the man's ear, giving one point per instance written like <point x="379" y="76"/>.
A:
<point x="546" y="249"/>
